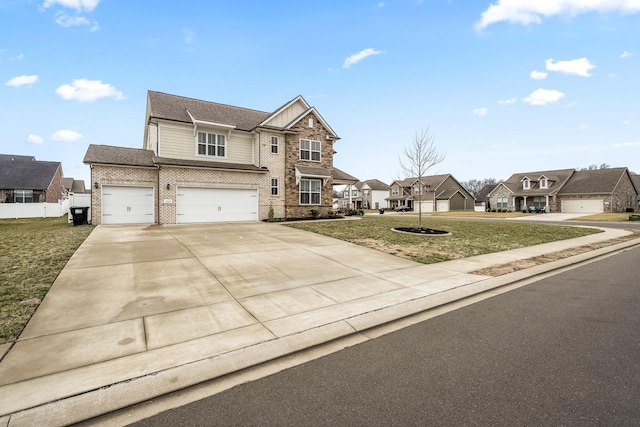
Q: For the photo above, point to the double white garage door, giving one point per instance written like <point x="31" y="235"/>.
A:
<point x="135" y="205"/>
<point x="580" y="206"/>
<point x="216" y="205"/>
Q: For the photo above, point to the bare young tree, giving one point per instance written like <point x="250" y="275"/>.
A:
<point x="420" y="156"/>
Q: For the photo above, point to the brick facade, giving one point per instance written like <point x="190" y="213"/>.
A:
<point x="120" y="175"/>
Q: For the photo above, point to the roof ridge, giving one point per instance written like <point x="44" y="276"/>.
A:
<point x="208" y="102"/>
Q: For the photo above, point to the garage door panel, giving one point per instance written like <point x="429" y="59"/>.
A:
<point x="216" y="205"/>
<point x="582" y="206"/>
<point x="127" y="205"/>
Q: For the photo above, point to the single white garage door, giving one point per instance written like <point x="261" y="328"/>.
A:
<point x="127" y="205"/>
<point x="442" y="205"/>
<point x="427" y="206"/>
<point x="195" y="204"/>
<point x="580" y="206"/>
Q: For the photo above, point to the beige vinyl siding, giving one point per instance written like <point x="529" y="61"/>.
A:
<point x="288" y="115"/>
<point x="179" y="142"/>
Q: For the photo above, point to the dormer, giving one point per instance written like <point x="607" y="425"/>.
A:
<point x="543" y="181"/>
<point x="526" y="183"/>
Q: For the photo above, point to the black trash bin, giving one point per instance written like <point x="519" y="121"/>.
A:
<point x="79" y="214"/>
<point x="381" y="211"/>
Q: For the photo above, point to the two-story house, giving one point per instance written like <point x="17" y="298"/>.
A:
<point x="434" y="193"/>
<point x="206" y="162"/>
<point x="369" y="194"/>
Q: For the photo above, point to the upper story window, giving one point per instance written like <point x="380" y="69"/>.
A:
<point x="274" y="187"/>
<point x="354" y="193"/>
<point x="310" y="150"/>
<point x="544" y="183"/>
<point x="395" y="191"/>
<point x="211" y="144"/>
<point x="417" y="190"/>
<point x="275" y="142"/>
<point x="366" y="192"/>
<point x="311" y="122"/>
<point x="526" y="184"/>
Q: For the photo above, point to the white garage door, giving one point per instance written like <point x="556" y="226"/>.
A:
<point x="586" y="206"/>
<point x="216" y="205"/>
<point x="127" y="205"/>
<point x="442" y="205"/>
<point x="427" y="206"/>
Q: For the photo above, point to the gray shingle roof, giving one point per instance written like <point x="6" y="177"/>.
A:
<point x="173" y="107"/>
<point x="206" y="164"/>
<point x="432" y="181"/>
<point x="375" y="184"/>
<point x="26" y="173"/>
<point x="556" y="179"/>
<point x="599" y="181"/>
<point x="340" y="175"/>
<point x="110" y="155"/>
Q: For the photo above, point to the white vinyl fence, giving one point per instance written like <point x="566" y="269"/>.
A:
<point x="34" y="210"/>
<point x="46" y="210"/>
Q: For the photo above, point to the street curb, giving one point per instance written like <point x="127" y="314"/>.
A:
<point x="117" y="396"/>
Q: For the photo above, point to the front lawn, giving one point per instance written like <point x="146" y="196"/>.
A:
<point x="468" y="238"/>
<point x="32" y="254"/>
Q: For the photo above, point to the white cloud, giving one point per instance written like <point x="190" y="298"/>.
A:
<point x="626" y="54"/>
<point x="380" y="4"/>
<point x="84" y="90"/>
<point x="627" y="144"/>
<point x="18" y="57"/>
<point x="22" y="80"/>
<point x="612" y="75"/>
<point x="67" y="21"/>
<point x="357" y="57"/>
<point x="509" y="101"/>
<point x="578" y="67"/>
<point x="78" y="5"/>
<point x="543" y="97"/>
<point x="34" y="139"/>
<point x="538" y="75"/>
<point x="66" y="135"/>
<point x="480" y="111"/>
<point x="528" y="12"/>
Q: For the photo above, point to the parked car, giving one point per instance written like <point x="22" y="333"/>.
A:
<point x="403" y="208"/>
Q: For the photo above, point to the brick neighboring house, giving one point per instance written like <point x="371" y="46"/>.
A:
<point x="206" y="162"/>
<point x="567" y="190"/>
<point x="369" y="194"/>
<point x="435" y="193"/>
<point x="23" y="179"/>
<point x="636" y="183"/>
<point x="71" y="185"/>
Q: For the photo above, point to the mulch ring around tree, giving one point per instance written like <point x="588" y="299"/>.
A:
<point x="422" y="231"/>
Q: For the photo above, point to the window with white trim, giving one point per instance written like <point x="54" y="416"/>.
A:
<point x="544" y="183"/>
<point x="540" y="202"/>
<point x="274" y="187"/>
<point x="526" y="184"/>
<point x="310" y="150"/>
<point x="501" y="202"/>
<point x="211" y="144"/>
<point x="395" y="191"/>
<point x="275" y="142"/>
<point x="310" y="191"/>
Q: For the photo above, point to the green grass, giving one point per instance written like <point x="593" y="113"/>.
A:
<point x="32" y="254"/>
<point x="613" y="217"/>
<point x="468" y="238"/>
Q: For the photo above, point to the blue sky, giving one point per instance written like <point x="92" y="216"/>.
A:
<point x="504" y="86"/>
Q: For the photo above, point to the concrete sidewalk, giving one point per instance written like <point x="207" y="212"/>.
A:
<point x="140" y="311"/>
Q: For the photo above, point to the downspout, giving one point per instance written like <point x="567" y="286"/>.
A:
<point x="158" y="197"/>
<point x="259" y="148"/>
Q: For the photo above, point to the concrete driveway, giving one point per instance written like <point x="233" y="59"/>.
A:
<point x="139" y="311"/>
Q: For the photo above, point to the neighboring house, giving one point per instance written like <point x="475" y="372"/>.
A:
<point x="482" y="198"/>
<point x="435" y="193"/>
<point x="566" y="190"/>
<point x="23" y="179"/>
<point x="206" y="162"/>
<point x="71" y="185"/>
<point x="369" y="194"/>
<point x="636" y="183"/>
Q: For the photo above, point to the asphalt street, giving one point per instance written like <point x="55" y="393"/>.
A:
<point x="561" y="351"/>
